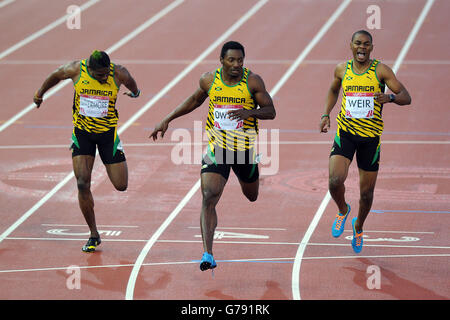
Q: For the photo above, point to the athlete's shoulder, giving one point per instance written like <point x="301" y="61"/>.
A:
<point x="339" y="70"/>
<point x="254" y="81"/>
<point x="119" y="69"/>
<point x="383" y="71"/>
<point x="69" y="70"/>
<point x="207" y="80"/>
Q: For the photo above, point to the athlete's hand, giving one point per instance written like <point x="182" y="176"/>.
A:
<point x="37" y="100"/>
<point x="324" y="124"/>
<point x="381" y="97"/>
<point x="131" y="94"/>
<point x="160" y="127"/>
<point x="240" y="114"/>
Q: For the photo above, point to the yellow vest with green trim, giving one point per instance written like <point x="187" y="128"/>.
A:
<point x="222" y="132"/>
<point x="94" y="104"/>
<point x="360" y="113"/>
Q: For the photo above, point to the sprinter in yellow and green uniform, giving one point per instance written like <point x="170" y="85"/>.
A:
<point x="359" y="127"/>
<point x="96" y="85"/>
<point x="237" y="99"/>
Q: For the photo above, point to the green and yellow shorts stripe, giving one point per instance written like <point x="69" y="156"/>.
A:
<point x="367" y="149"/>
<point x="108" y="144"/>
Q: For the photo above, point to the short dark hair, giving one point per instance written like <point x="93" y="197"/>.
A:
<point x="362" y="32"/>
<point x="98" y="60"/>
<point x="231" y="45"/>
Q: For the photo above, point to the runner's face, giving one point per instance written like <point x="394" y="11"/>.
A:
<point x="101" y="75"/>
<point x="361" y="47"/>
<point x="232" y="63"/>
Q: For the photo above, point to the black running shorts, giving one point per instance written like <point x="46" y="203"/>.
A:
<point x="221" y="161"/>
<point x="367" y="149"/>
<point x="108" y="144"/>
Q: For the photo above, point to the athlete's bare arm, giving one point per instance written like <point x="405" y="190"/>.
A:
<point x="262" y="98"/>
<point x="332" y="96"/>
<point x="190" y="104"/>
<point x="122" y="76"/>
<point x="386" y="75"/>
<point x="70" y="70"/>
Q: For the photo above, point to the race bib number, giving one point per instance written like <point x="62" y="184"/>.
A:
<point x="94" y="106"/>
<point x="359" y="105"/>
<point x="222" y="120"/>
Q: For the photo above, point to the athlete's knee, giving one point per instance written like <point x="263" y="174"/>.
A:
<point x="83" y="184"/>
<point x="121" y="187"/>
<point x="210" y="197"/>
<point x="366" y="196"/>
<point x="251" y="193"/>
<point x="335" y="182"/>
<point x="252" y="197"/>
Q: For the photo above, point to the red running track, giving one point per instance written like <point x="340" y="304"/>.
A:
<point x="257" y="244"/>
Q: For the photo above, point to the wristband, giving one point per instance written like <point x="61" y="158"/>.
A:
<point x="325" y="115"/>
<point x="135" y="95"/>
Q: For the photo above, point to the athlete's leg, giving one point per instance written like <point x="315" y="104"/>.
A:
<point x="338" y="171"/>
<point x="212" y="185"/>
<point x="367" y="180"/>
<point x="368" y="157"/>
<point x="113" y="157"/>
<point x="118" y="175"/>
<point x="248" y="176"/>
<point x="250" y="189"/>
<point x="82" y="168"/>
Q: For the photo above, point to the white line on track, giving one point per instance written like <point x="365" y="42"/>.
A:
<point x="139" y="261"/>
<point x="240" y="228"/>
<point x="43" y="31"/>
<point x="273" y="260"/>
<point x="295" y="280"/>
<point x="62" y="183"/>
<point x="110" y="50"/>
<point x="412" y="35"/>
<point x="277" y="87"/>
<point x="304" y="242"/>
<point x="83" y="225"/>
<point x="5" y="2"/>
<point x="219" y="242"/>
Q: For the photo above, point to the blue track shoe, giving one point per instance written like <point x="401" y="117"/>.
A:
<point x="207" y="262"/>
<point x="357" y="241"/>
<point x="339" y="222"/>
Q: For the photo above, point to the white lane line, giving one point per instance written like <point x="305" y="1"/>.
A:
<point x="5" y="2"/>
<point x="110" y="50"/>
<point x="310" y="46"/>
<point x="43" y="31"/>
<point x="139" y="261"/>
<point x="326" y="199"/>
<point x="218" y="242"/>
<point x="240" y="228"/>
<point x="280" y="83"/>
<point x="298" y="258"/>
<point x="302" y="247"/>
<point x="273" y="260"/>
<point x="27" y="214"/>
<point x="412" y="35"/>
<point x="83" y="225"/>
